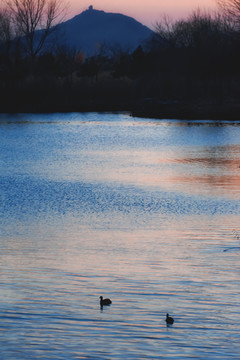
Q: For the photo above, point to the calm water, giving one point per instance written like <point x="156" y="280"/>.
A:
<point x="144" y="212"/>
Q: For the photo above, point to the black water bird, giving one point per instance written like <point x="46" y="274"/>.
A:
<point x="169" y="320"/>
<point x="104" y="301"/>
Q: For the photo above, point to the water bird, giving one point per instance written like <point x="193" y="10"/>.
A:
<point x="169" y="320"/>
<point x="104" y="301"/>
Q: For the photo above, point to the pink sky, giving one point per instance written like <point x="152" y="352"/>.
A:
<point x="147" y="12"/>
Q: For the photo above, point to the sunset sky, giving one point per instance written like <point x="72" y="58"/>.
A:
<point x="147" y="12"/>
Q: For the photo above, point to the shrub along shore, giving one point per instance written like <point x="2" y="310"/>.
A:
<point x="111" y="96"/>
<point x="181" y="111"/>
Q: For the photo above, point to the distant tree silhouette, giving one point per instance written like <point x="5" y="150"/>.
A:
<point x="5" y="26"/>
<point x="231" y="9"/>
<point x="5" y="46"/>
<point x="197" y="30"/>
<point x="187" y="61"/>
<point x="166" y="31"/>
<point x="29" y="16"/>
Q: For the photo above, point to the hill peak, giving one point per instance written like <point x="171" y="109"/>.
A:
<point x="90" y="11"/>
<point x="91" y="28"/>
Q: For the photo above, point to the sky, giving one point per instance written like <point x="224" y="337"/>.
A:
<point x="148" y="12"/>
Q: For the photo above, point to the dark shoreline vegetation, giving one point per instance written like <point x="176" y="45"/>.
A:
<point x="145" y="108"/>
<point x="189" y="69"/>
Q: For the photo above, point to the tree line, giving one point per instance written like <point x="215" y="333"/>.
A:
<point x="187" y="61"/>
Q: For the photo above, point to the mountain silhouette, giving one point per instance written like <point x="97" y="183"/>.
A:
<point x="92" y="29"/>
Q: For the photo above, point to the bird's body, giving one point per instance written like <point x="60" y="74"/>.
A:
<point x="169" y="320"/>
<point x="104" y="301"/>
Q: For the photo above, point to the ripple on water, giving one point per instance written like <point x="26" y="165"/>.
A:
<point x="139" y="211"/>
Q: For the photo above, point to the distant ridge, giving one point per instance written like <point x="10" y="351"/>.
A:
<point x="93" y="28"/>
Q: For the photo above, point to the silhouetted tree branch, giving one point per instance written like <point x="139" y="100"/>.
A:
<point x="198" y="29"/>
<point x="29" y="16"/>
<point x="5" y="27"/>
<point x="231" y="9"/>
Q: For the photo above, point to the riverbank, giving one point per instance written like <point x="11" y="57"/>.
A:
<point x="116" y="96"/>
<point x="144" y="108"/>
<point x="198" y="110"/>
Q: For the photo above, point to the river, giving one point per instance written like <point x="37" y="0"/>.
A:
<point x="141" y="211"/>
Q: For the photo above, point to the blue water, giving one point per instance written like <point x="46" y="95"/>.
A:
<point x="141" y="211"/>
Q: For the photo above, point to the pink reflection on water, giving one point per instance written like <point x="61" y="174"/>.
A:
<point x="213" y="169"/>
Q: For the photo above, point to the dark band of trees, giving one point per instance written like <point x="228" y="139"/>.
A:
<point x="189" y="65"/>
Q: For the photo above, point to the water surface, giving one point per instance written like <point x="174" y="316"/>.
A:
<point x="145" y="212"/>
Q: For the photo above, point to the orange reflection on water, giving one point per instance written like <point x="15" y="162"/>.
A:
<point x="195" y="171"/>
<point x="215" y="156"/>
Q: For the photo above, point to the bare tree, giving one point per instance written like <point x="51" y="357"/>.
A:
<point x="199" y="29"/>
<point x="5" y="26"/>
<point x="30" y="16"/>
<point x="231" y="9"/>
<point x="165" y="29"/>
